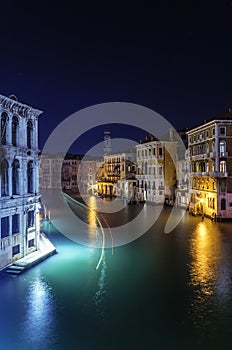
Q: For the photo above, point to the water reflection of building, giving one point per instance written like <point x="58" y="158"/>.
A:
<point x="210" y="152"/>
<point x="19" y="197"/>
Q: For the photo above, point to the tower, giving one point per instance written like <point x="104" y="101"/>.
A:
<point x="107" y="142"/>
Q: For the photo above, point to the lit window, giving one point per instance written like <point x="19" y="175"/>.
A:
<point x="222" y="148"/>
<point x="222" y="166"/>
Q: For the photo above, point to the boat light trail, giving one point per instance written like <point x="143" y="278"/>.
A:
<point x="99" y="223"/>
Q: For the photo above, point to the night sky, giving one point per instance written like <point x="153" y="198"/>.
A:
<point x="63" y="58"/>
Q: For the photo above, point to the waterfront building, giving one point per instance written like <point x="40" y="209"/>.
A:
<point x="19" y="197"/>
<point x="156" y="171"/>
<point x="116" y="177"/>
<point x="50" y="170"/>
<point x="182" y="171"/>
<point x="210" y="156"/>
<point x="70" y="168"/>
<point x="87" y="174"/>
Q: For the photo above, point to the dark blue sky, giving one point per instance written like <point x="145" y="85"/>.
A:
<point x="64" y="58"/>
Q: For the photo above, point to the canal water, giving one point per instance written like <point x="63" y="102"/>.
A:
<point x="161" y="291"/>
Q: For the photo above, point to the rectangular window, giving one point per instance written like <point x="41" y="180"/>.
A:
<point x="160" y="152"/>
<point x="30" y="218"/>
<point x="31" y="243"/>
<point x="5" y="227"/>
<point x="15" y="223"/>
<point x="222" y="130"/>
<point x="154" y="151"/>
<point x="213" y="131"/>
<point x="160" y="170"/>
<point x="16" y="250"/>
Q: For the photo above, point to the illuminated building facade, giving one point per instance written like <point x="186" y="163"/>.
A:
<point x="156" y="172"/>
<point x="19" y="179"/>
<point x="210" y="156"/>
<point x="116" y="177"/>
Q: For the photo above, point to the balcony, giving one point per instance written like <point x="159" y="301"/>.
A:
<point x="223" y="154"/>
<point x="218" y="174"/>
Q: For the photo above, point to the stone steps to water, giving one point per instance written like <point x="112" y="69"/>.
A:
<point x="13" y="269"/>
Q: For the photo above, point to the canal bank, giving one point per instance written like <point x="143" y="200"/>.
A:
<point x="161" y="291"/>
<point x="46" y="249"/>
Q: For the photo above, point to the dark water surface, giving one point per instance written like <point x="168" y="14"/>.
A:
<point x="162" y="291"/>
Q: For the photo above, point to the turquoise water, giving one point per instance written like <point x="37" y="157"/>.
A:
<point x="162" y="291"/>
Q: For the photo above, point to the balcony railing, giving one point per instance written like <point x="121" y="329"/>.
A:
<point x="219" y="174"/>
<point x="223" y="154"/>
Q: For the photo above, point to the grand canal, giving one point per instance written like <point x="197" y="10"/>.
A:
<point x="161" y="291"/>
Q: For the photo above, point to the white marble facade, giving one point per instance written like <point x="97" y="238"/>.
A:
<point x="19" y="196"/>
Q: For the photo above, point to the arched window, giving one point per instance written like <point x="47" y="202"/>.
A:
<point x="4" y="178"/>
<point x="223" y="204"/>
<point x="15" y="124"/>
<point x="15" y="177"/>
<point x="29" y="134"/>
<point x="222" y="148"/>
<point x="222" y="166"/>
<point x="30" y="177"/>
<point x="4" y="120"/>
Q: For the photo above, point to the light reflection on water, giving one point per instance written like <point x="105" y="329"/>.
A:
<point x="160" y="290"/>
<point x="210" y="274"/>
<point x="92" y="221"/>
<point x="101" y="291"/>
<point x="206" y="254"/>
<point x="39" y="320"/>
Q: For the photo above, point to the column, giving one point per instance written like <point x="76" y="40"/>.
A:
<point x="37" y="226"/>
<point x="20" y="179"/>
<point x="36" y="177"/>
<point x="216" y="148"/>
<point x="35" y="134"/>
<point x="10" y="230"/>
<point x="10" y="180"/>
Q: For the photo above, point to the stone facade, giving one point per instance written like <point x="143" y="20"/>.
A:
<point x="19" y="197"/>
<point x="210" y="156"/>
<point x="156" y="173"/>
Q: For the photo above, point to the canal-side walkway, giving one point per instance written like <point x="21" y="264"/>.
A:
<point x="46" y="249"/>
